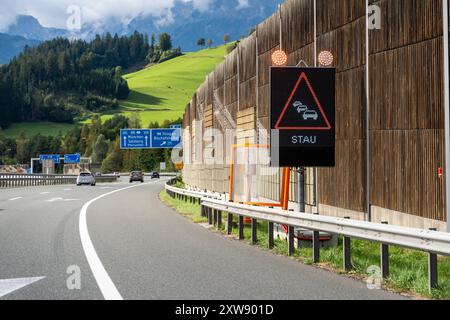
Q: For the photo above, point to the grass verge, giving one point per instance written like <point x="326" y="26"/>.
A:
<point x="408" y="268"/>
<point x="189" y="210"/>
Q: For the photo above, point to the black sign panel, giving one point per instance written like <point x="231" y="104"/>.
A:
<point x="302" y="117"/>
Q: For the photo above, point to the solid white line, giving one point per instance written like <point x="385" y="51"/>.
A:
<point x="104" y="282"/>
<point x="14" y="199"/>
<point x="45" y="192"/>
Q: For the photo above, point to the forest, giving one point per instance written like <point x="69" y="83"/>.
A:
<point x="98" y="140"/>
<point x="62" y="79"/>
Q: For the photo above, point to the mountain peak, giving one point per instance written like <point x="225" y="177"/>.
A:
<point x="30" y="28"/>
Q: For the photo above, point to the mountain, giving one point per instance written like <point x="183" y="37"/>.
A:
<point x="184" y="22"/>
<point x="223" y="17"/>
<point x="11" y="46"/>
<point x="30" y="28"/>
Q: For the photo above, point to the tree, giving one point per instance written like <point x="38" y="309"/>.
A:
<point x="101" y="147"/>
<point x="113" y="162"/>
<point x="226" y="38"/>
<point x="22" y="151"/>
<point x="135" y="121"/>
<point x="152" y="43"/>
<point x="165" y="42"/>
<point x="201" y="42"/>
<point x="210" y="43"/>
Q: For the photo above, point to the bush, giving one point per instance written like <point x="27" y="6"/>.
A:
<point x="168" y="55"/>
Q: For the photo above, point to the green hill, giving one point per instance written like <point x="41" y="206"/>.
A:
<point x="32" y="128"/>
<point x="158" y="93"/>
<point x="162" y="91"/>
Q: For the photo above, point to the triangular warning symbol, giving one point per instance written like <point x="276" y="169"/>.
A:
<point x="303" y="110"/>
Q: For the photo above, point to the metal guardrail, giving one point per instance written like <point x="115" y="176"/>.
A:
<point x="429" y="241"/>
<point x="198" y="195"/>
<point x="8" y="180"/>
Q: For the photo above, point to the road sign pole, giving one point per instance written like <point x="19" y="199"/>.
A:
<point x="446" y="111"/>
<point x="301" y="189"/>
<point x="367" y="81"/>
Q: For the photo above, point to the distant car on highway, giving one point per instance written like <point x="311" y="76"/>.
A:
<point x="98" y="174"/>
<point x="155" y="175"/>
<point x="117" y="174"/>
<point x="86" y="178"/>
<point x="136" y="176"/>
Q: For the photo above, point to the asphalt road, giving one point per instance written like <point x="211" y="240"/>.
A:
<point x="134" y="247"/>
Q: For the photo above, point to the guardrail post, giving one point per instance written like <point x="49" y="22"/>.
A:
<point x="433" y="281"/>
<point x="219" y="219"/>
<point x="316" y="245"/>
<point x="241" y="227"/>
<point x="271" y="242"/>
<point x="432" y="271"/>
<point x="215" y="218"/>
<point x="254" y="231"/>
<point x="347" y="252"/>
<point x="230" y="224"/>
<point x="384" y="253"/>
<point x="202" y="210"/>
<point x="291" y="246"/>
<point x="210" y="216"/>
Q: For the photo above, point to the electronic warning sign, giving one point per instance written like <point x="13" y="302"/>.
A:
<point x="302" y="117"/>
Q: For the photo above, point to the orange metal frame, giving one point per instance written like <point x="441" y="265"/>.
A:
<point x="285" y="184"/>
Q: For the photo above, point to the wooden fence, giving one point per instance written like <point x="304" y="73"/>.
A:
<point x="404" y="109"/>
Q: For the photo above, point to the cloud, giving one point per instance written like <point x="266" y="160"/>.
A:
<point x="242" y="4"/>
<point x="53" y="13"/>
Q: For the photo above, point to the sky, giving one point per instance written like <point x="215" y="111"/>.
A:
<point x="56" y="13"/>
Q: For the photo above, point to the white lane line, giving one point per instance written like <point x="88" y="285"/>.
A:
<point x="14" y="199"/>
<point x="104" y="282"/>
<point x="61" y="200"/>
<point x="8" y="286"/>
<point x="45" y="193"/>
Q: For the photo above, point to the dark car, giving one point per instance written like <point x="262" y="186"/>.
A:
<point x="136" y="176"/>
<point x="155" y="175"/>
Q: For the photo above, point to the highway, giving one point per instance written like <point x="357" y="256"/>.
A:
<point x="129" y="245"/>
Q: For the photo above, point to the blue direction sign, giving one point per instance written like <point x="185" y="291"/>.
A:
<point x="55" y="157"/>
<point x="135" y="139"/>
<point x="72" y="158"/>
<point x="166" y="138"/>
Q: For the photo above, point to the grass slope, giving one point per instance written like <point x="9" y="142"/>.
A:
<point x="162" y="91"/>
<point x="32" y="128"/>
<point x="158" y="93"/>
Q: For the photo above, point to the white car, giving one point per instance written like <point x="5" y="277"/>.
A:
<point x="86" y="178"/>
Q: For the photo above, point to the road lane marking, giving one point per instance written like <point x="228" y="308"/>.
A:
<point x="14" y="199"/>
<point x="104" y="281"/>
<point x="45" y="192"/>
<point x="61" y="200"/>
<point x="8" y="286"/>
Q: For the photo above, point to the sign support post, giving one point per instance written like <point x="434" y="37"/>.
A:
<point x="447" y="110"/>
